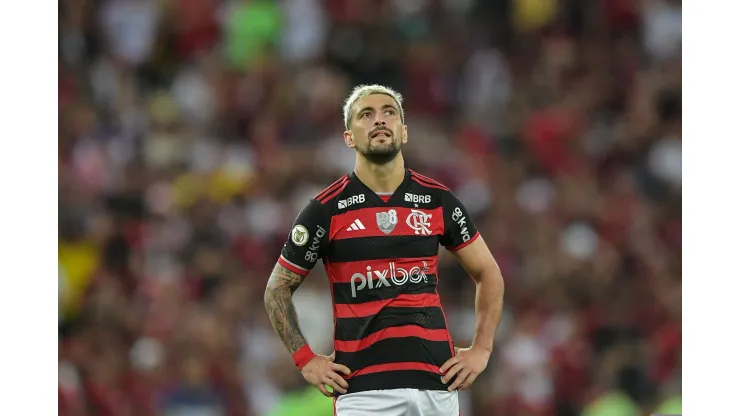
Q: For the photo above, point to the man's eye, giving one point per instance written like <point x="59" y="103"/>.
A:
<point x="390" y="112"/>
<point x="366" y="114"/>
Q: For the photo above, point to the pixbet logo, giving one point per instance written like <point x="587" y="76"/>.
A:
<point x="419" y="222"/>
<point x="397" y="275"/>
<point x="312" y="254"/>
<point x="355" y="199"/>
<point x="459" y="218"/>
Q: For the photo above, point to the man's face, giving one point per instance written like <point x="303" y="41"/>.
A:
<point x="376" y="130"/>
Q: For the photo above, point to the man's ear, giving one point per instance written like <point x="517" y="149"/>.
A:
<point x="349" y="140"/>
<point x="405" y="137"/>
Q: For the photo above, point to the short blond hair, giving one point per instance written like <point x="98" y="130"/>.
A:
<point x="362" y="91"/>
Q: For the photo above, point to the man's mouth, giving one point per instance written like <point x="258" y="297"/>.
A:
<point x="381" y="133"/>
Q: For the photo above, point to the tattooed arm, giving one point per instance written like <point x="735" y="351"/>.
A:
<point x="306" y="244"/>
<point x="302" y="249"/>
<point x="318" y="370"/>
<point x="280" y="308"/>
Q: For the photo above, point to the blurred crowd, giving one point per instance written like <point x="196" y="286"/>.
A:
<point x="191" y="132"/>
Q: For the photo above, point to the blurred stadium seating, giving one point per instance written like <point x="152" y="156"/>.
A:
<point x="192" y="132"/>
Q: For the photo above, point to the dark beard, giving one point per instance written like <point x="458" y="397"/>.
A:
<point x="381" y="155"/>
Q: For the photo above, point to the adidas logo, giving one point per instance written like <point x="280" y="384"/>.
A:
<point x="357" y="225"/>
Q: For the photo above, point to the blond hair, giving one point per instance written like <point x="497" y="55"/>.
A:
<point x="362" y="91"/>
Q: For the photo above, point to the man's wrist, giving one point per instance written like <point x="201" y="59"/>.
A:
<point x="487" y="348"/>
<point x="303" y="356"/>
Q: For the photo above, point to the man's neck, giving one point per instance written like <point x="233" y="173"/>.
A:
<point x="382" y="179"/>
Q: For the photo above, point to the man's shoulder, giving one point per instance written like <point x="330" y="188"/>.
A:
<point x="428" y="184"/>
<point x="331" y="192"/>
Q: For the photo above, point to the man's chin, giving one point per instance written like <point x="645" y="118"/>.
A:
<point x="381" y="156"/>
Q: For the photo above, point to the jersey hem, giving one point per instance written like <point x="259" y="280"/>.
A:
<point x="393" y="386"/>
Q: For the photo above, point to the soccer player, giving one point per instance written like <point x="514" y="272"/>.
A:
<point x="378" y="231"/>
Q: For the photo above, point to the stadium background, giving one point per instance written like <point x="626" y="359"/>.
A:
<point x="192" y="132"/>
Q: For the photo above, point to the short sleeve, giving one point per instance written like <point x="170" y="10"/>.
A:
<point x="459" y="227"/>
<point x="307" y="240"/>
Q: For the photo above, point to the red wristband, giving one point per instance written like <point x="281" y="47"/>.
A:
<point x="303" y="356"/>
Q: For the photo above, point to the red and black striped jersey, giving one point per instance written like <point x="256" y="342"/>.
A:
<point x="380" y="255"/>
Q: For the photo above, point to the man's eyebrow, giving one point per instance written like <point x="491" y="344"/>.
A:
<point x="383" y="107"/>
<point x="363" y="109"/>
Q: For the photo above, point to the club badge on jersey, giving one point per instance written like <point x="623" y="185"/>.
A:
<point x="387" y="220"/>
<point x="419" y="222"/>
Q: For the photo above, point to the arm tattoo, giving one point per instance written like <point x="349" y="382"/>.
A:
<point x="280" y="308"/>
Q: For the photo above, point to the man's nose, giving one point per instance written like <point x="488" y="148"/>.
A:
<point x="379" y="121"/>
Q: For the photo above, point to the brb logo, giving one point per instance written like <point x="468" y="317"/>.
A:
<point x="355" y="199"/>
<point x="417" y="199"/>
<point x="397" y="275"/>
<point x="312" y="254"/>
<point x="459" y="218"/>
<point x="419" y="222"/>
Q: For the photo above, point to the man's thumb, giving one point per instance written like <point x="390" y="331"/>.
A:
<point x="333" y="354"/>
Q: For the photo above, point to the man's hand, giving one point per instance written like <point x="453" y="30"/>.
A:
<point x="321" y="371"/>
<point x="465" y="367"/>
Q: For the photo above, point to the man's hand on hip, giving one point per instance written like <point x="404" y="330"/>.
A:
<point x="464" y="367"/>
<point x="321" y="371"/>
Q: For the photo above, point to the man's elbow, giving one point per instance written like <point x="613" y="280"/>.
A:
<point x="275" y="293"/>
<point x="269" y="296"/>
<point x="490" y="275"/>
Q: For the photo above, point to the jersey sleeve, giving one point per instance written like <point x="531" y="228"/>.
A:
<point x="459" y="228"/>
<point x="307" y="240"/>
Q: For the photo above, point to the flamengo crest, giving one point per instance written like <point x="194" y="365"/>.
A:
<point x="419" y="222"/>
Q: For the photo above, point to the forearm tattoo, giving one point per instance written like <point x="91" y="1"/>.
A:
<point x="280" y="308"/>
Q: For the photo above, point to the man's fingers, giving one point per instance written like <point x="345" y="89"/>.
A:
<point x="342" y="383"/>
<point x="446" y="366"/>
<point x="451" y="373"/>
<point x="329" y="382"/>
<point x="468" y="381"/>
<point x="339" y="368"/>
<point x="323" y="390"/>
<point x="459" y="380"/>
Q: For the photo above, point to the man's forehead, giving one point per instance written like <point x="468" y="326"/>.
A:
<point x="375" y="100"/>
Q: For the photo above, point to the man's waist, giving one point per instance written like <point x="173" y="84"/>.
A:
<point x="401" y="362"/>
<point x="397" y="379"/>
